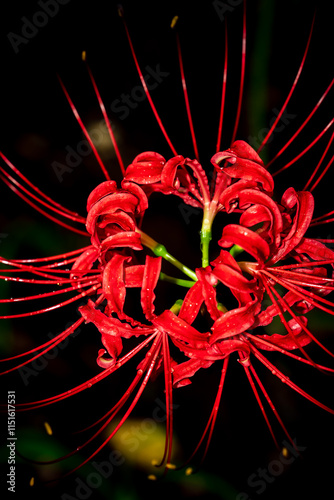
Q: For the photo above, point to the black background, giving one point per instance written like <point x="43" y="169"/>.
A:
<point x="35" y="127"/>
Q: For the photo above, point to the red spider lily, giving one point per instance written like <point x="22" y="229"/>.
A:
<point x="272" y="237"/>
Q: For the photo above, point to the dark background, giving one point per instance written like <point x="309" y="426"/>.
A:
<point x="35" y="128"/>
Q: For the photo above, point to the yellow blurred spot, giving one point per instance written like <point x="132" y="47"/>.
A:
<point x="189" y="471"/>
<point x="48" y="428"/>
<point x="83" y="55"/>
<point x="174" y="21"/>
<point x="170" y="466"/>
<point x="142" y="442"/>
<point x="285" y="452"/>
<point x="152" y="477"/>
<point x="32" y="481"/>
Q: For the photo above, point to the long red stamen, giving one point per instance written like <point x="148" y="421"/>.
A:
<point x="84" y="130"/>
<point x="56" y="306"/>
<point x="301" y="128"/>
<point x="242" y="76"/>
<point x="106" y="119"/>
<point x="34" y="281"/>
<point x="36" y="207"/>
<point x="302" y="293"/>
<point x="318" y="166"/>
<point x="275" y="371"/>
<point x="324" y="171"/>
<point x="305" y="329"/>
<point x="244" y="362"/>
<point x="265" y="140"/>
<point x="274" y="347"/>
<point x="186" y="97"/>
<point x="44" y="203"/>
<point x="305" y="150"/>
<point x="316" y="219"/>
<point x="66" y="332"/>
<point x="307" y="264"/>
<point x="212" y="418"/>
<point x="169" y="402"/>
<point x="53" y="257"/>
<point x="45" y="348"/>
<point x="154" y="352"/>
<point x="89" y="383"/>
<point x="303" y="275"/>
<point x="49" y="294"/>
<point x="54" y="276"/>
<point x="280" y="310"/>
<point x="142" y="79"/>
<point x="272" y="406"/>
<point x="222" y="102"/>
<point x="43" y="195"/>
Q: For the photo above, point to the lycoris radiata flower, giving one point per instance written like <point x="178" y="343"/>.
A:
<point x="260" y="264"/>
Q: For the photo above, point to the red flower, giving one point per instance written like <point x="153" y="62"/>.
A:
<point x="280" y="263"/>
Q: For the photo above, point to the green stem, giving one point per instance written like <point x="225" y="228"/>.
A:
<point x="177" y="306"/>
<point x="205" y="242"/>
<point x="235" y="250"/>
<point x="206" y="236"/>
<point x="161" y="251"/>
<point x="176" y="281"/>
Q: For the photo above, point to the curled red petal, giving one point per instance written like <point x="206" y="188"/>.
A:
<point x="226" y="258"/>
<point x="243" y="150"/>
<point x="113" y="284"/>
<point x="119" y="200"/>
<point x="108" y="325"/>
<point x="207" y="280"/>
<point x="315" y="250"/>
<point x="235" y="321"/>
<point x="84" y="262"/>
<point x="134" y="276"/>
<point x="133" y="188"/>
<point x="248" y="170"/>
<point x="146" y="168"/>
<point x="104" y="362"/>
<point x="103" y="189"/>
<point x="169" y="171"/>
<point x="150" y="279"/>
<point x="245" y="164"/>
<point x="304" y="203"/>
<point x="260" y="198"/>
<point x="192" y="303"/>
<point x="123" y="239"/>
<point x="233" y="278"/>
<point x="266" y="316"/>
<point x="179" y="329"/>
<point x="118" y="218"/>
<point x="251" y="242"/>
<point x="288" y="341"/>
<point x="254" y="215"/>
<point x="183" y="371"/>
<point x="229" y="196"/>
<point x="204" y="358"/>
